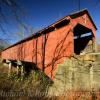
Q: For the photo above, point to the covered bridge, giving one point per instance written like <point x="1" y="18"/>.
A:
<point x="73" y="34"/>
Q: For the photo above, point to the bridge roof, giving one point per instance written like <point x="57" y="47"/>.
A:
<point x="73" y="15"/>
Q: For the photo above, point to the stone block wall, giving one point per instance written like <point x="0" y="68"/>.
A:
<point x="75" y="74"/>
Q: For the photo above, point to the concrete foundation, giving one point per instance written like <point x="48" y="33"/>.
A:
<point x="20" y="68"/>
<point x="76" y="75"/>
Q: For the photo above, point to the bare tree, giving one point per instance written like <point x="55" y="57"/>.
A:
<point x="17" y="13"/>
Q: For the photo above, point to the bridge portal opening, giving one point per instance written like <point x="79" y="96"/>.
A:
<point x="82" y="39"/>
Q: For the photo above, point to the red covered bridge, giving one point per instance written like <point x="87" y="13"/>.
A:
<point x="70" y="35"/>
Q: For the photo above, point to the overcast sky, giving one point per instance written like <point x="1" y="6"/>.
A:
<point x="41" y="13"/>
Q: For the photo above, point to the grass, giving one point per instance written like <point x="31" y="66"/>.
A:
<point x="24" y="88"/>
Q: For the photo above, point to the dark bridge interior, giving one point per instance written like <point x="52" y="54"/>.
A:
<point x="82" y="36"/>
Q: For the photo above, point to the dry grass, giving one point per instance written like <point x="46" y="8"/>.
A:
<point x="22" y="88"/>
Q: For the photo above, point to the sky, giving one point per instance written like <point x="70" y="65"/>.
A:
<point x="42" y="13"/>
